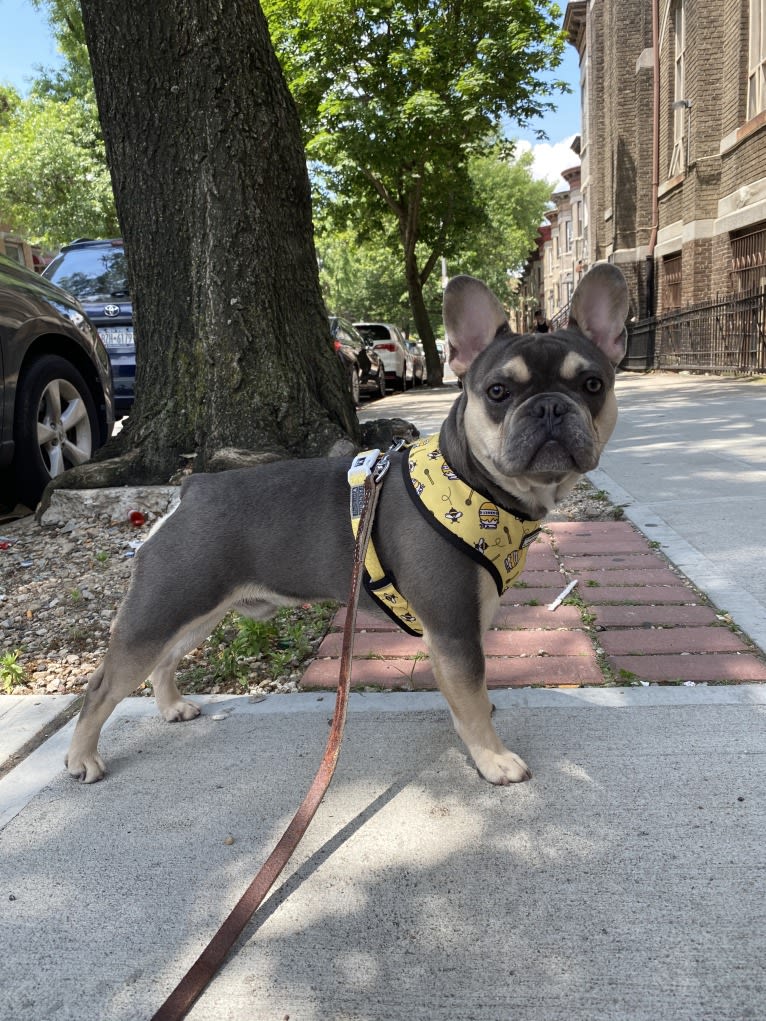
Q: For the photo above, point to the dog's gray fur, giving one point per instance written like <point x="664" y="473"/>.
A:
<point x="534" y="414"/>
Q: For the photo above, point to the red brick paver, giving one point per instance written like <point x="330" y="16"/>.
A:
<point x="633" y="618"/>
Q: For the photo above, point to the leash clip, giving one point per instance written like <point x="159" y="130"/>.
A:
<point x="384" y="461"/>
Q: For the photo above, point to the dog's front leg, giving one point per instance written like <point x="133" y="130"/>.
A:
<point x="458" y="665"/>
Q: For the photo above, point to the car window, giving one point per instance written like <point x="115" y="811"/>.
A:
<point x="375" y="331"/>
<point x="91" y="274"/>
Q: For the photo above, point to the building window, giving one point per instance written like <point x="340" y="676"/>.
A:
<point x="567" y="235"/>
<point x="680" y="104"/>
<point x="748" y="259"/>
<point x="671" y="282"/>
<point x="756" y="74"/>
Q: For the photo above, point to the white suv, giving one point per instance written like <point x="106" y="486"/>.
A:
<point x="388" y="343"/>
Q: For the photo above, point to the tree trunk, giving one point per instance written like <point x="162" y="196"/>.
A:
<point x="434" y="366"/>
<point x="409" y="217"/>
<point x="203" y="142"/>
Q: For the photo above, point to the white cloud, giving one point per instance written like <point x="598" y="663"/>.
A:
<point x="548" y="160"/>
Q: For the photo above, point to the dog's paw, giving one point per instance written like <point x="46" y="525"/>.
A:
<point x="502" y="768"/>
<point x="87" y="768"/>
<point x="180" y="710"/>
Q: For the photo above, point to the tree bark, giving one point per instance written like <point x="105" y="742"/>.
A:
<point x="422" y="321"/>
<point x="203" y="142"/>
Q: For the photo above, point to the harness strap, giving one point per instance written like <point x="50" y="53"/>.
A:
<point x="365" y="489"/>
<point x="379" y="582"/>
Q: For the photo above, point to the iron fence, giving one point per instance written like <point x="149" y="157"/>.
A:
<point x="727" y="335"/>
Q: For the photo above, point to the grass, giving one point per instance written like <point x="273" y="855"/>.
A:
<point x="243" y="653"/>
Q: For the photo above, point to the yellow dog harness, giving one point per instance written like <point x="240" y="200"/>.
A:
<point x="471" y="521"/>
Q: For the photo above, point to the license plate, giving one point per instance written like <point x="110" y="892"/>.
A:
<point x="116" y="336"/>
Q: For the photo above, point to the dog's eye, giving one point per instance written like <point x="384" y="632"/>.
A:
<point x="594" y="385"/>
<point x="498" y="392"/>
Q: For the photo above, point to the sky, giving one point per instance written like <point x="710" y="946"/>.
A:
<point x="28" y="43"/>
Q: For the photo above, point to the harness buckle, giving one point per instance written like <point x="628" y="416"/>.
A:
<point x="362" y="467"/>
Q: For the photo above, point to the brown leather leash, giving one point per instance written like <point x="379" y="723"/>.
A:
<point x="370" y="467"/>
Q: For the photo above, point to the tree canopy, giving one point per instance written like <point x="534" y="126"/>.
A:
<point x="54" y="181"/>
<point x="363" y="277"/>
<point x="398" y="96"/>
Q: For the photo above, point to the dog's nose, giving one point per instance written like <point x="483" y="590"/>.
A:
<point x="551" y="409"/>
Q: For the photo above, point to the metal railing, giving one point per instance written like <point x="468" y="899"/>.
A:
<point x="561" y="318"/>
<point x="725" y="335"/>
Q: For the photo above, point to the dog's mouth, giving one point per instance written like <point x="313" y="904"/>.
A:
<point x="552" y="457"/>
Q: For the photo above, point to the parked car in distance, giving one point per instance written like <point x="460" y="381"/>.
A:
<point x="96" y="274"/>
<point x="441" y="347"/>
<point x="418" y="355"/>
<point x="388" y="342"/>
<point x="361" y="361"/>
<point x="56" y="405"/>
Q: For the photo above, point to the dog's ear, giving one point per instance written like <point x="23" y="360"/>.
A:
<point x="472" y="317"/>
<point x="600" y="307"/>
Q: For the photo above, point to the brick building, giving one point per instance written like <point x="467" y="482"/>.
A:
<point x="673" y="145"/>
<point x="531" y="286"/>
<point x="563" y="255"/>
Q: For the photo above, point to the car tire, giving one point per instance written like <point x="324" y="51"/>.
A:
<point x="55" y="425"/>
<point x="355" y="385"/>
<point x="401" y="381"/>
<point x="381" y="384"/>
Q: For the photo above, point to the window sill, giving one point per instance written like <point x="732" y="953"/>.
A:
<point x="745" y="131"/>
<point x="671" y="184"/>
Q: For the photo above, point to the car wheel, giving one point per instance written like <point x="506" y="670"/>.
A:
<point x="355" y="386"/>
<point x="381" y="383"/>
<point x="56" y="425"/>
<point x="401" y="381"/>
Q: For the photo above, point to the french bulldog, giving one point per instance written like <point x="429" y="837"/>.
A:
<point x="534" y="413"/>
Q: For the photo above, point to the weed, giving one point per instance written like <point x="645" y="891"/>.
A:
<point x="102" y="556"/>
<point x="11" y="671"/>
<point x="77" y="638"/>
<point x="243" y="651"/>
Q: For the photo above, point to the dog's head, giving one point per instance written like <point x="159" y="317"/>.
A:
<point x="536" y="409"/>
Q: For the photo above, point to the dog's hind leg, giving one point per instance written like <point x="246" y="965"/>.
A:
<point x="170" y="702"/>
<point x="118" y="675"/>
<point x="123" y="669"/>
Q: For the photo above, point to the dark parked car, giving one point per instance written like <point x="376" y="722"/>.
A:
<point x="96" y="273"/>
<point x="56" y="404"/>
<point x="363" y="364"/>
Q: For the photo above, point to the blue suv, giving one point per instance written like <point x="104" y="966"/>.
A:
<point x="96" y="274"/>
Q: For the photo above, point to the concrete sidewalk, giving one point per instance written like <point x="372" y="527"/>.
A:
<point x="623" y="883"/>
